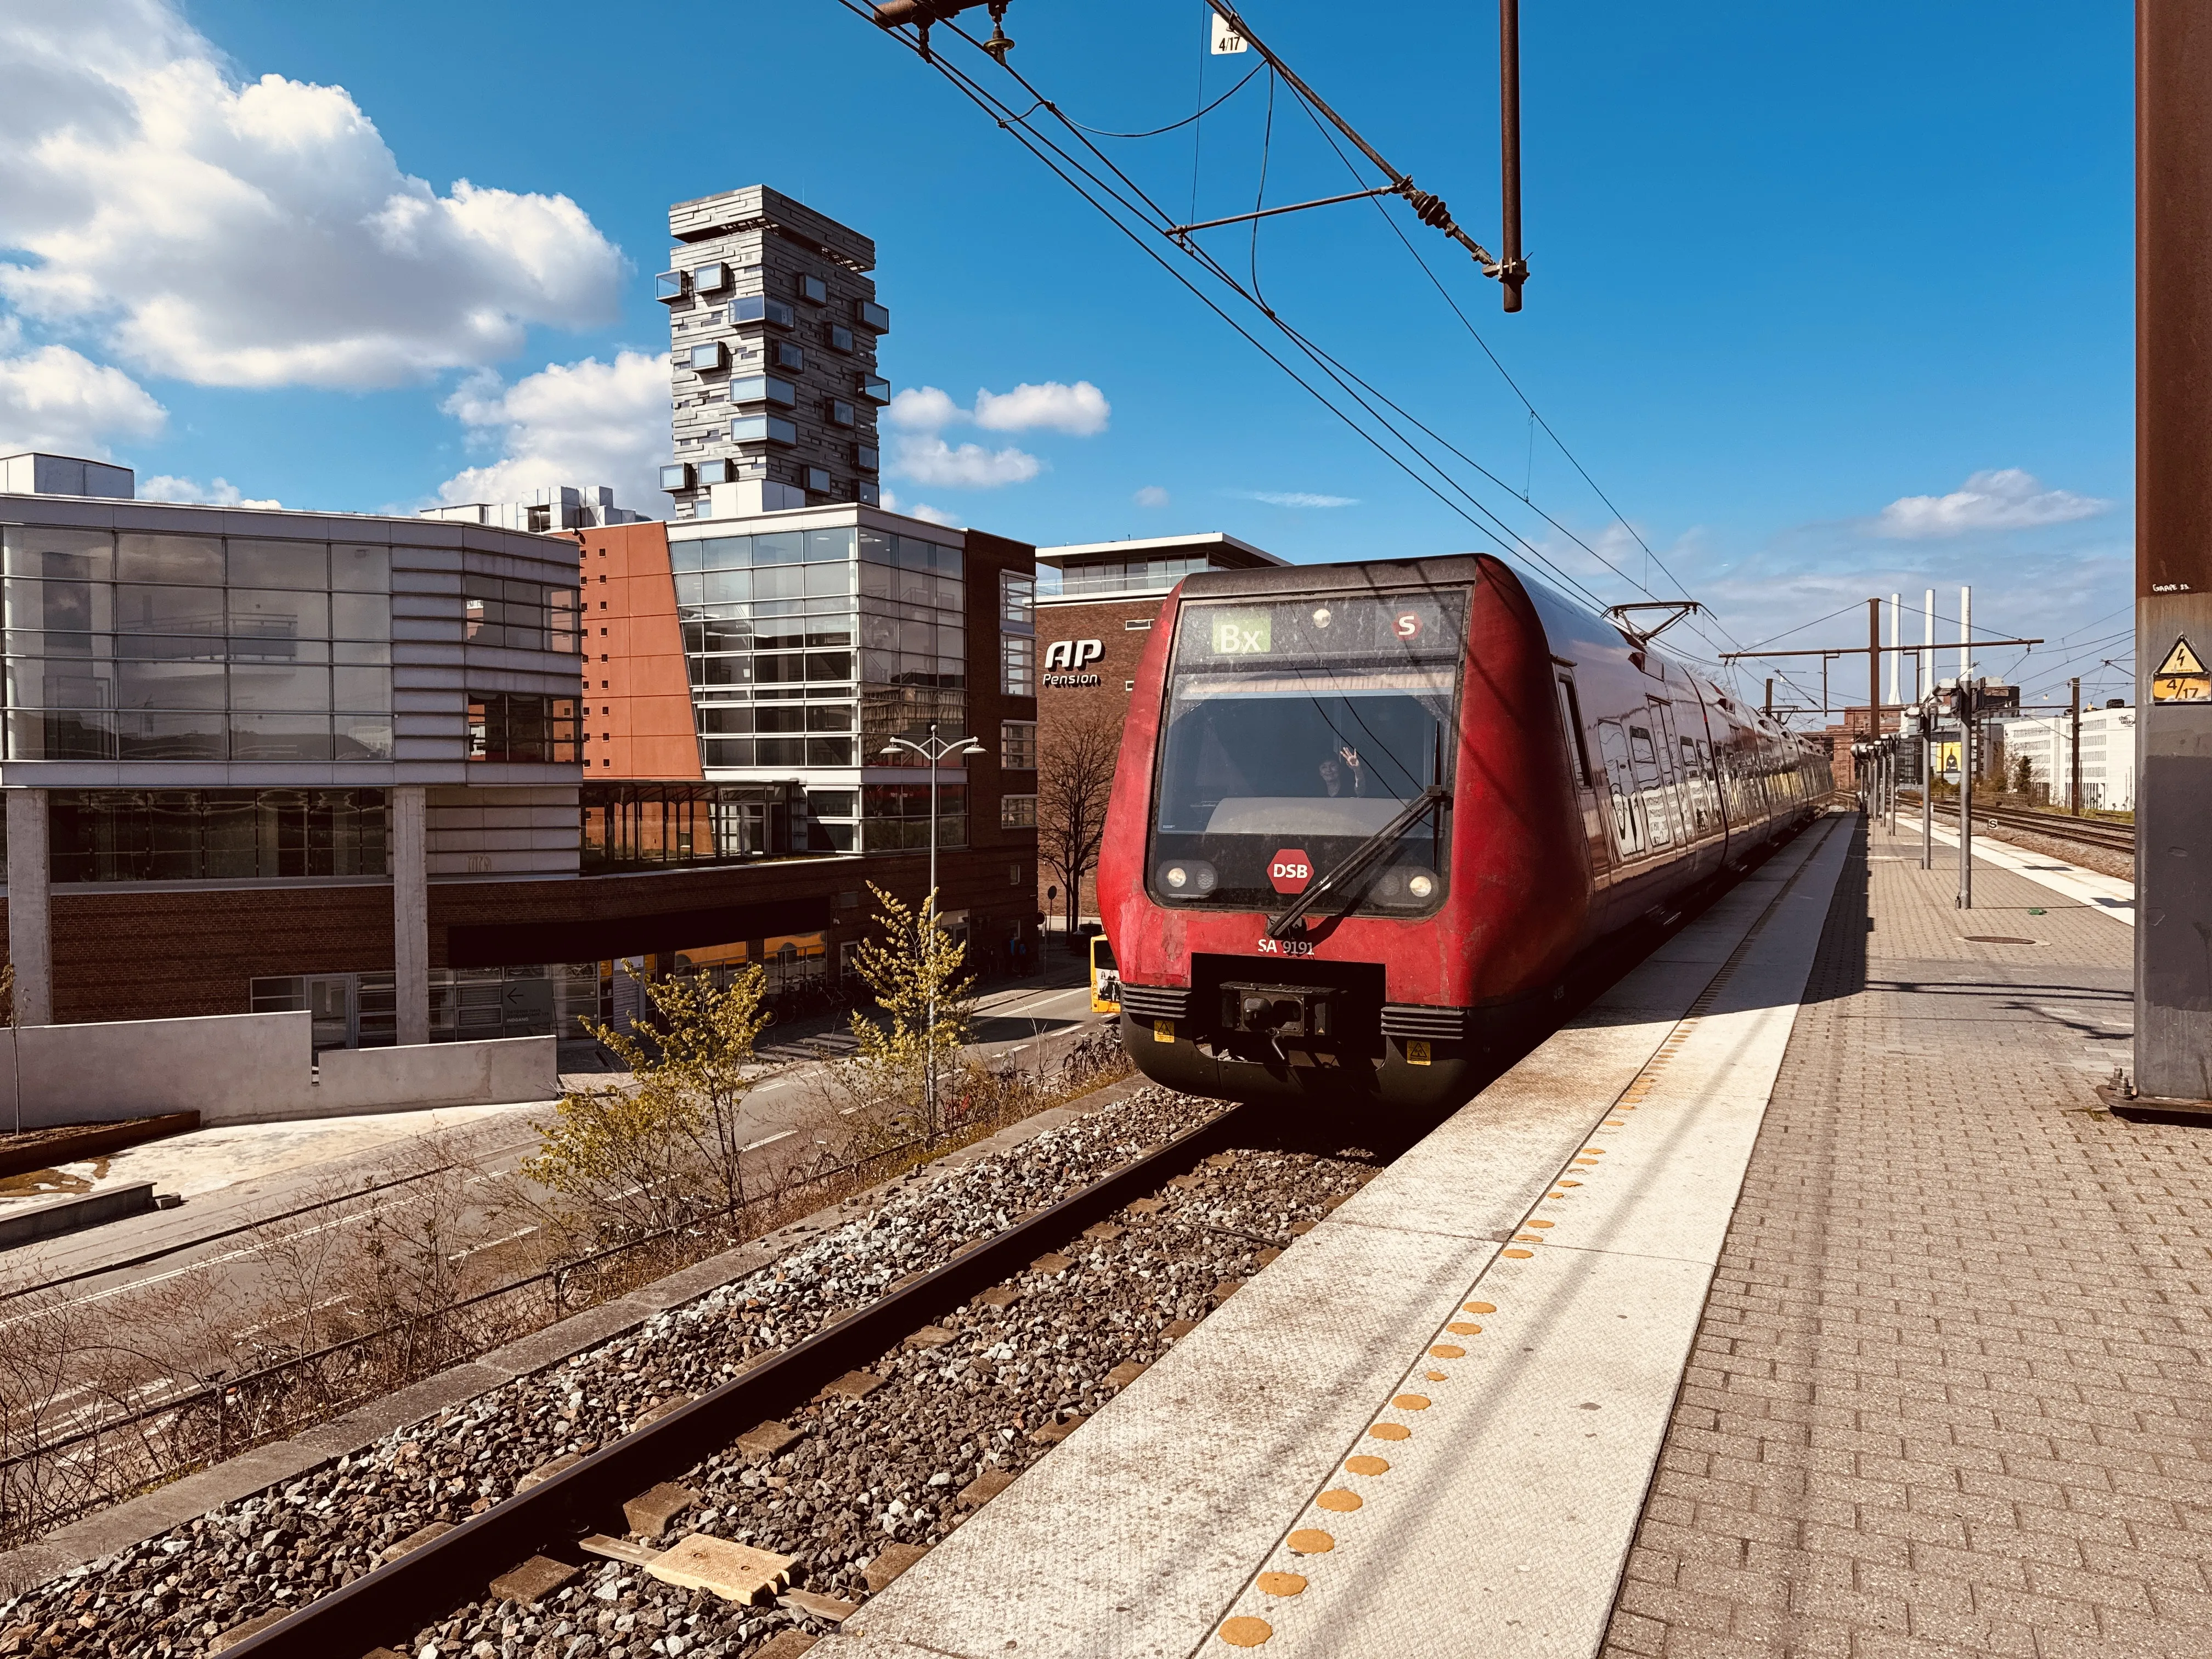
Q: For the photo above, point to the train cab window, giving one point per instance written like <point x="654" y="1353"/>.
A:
<point x="1570" y="722"/>
<point x="1306" y="725"/>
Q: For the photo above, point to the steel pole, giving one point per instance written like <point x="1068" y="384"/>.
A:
<point x="1927" y="783"/>
<point x="929" y="950"/>
<point x="1965" y="901"/>
<point x="2074" y="749"/>
<point x="1509" y="149"/>
<point x="1873" y="675"/>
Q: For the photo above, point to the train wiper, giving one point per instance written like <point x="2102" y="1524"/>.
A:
<point x="1355" y="862"/>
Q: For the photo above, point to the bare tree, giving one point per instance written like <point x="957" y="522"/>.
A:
<point x="1075" y="780"/>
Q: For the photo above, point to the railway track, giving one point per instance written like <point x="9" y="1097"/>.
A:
<point x="968" y="1369"/>
<point x="2059" y="826"/>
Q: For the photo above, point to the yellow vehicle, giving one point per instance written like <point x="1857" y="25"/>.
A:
<point x="1105" y="977"/>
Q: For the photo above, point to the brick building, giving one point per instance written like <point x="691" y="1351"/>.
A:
<point x="1839" y="740"/>
<point x="1096" y="607"/>
<point x="743" y="676"/>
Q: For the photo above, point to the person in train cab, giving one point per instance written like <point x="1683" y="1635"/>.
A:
<point x="1340" y="773"/>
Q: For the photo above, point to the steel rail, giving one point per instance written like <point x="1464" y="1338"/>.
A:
<point x="429" y="1583"/>
<point x="2114" y="838"/>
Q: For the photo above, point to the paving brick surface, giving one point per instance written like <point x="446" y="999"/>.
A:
<point x="1948" y="1397"/>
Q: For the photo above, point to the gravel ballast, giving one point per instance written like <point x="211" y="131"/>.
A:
<point x="984" y="1392"/>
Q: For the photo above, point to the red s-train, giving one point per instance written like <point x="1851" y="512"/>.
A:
<point x="1368" y="816"/>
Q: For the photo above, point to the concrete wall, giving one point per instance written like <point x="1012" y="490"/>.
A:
<point x="250" y="1068"/>
<point x="436" y="1074"/>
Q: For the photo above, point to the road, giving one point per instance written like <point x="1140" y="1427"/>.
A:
<point x="240" y="1184"/>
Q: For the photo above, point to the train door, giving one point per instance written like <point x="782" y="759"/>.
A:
<point x="1585" y="785"/>
<point x="1623" y="795"/>
<point x="1681" y="779"/>
<point x="1709" y="784"/>
<point x="1647" y="753"/>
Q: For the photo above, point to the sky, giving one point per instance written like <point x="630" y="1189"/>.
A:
<point x="1825" y="302"/>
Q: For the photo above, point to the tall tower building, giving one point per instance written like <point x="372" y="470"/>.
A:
<point x="772" y="330"/>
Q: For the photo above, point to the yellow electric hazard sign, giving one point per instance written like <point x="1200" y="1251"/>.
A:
<point x="2182" y="677"/>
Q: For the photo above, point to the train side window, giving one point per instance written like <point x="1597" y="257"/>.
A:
<point x="1571" y="718"/>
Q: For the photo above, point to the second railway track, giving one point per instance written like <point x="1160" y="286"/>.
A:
<point x="836" y="1430"/>
<point x="2058" y="826"/>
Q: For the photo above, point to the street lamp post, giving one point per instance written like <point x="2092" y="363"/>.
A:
<point x="933" y="750"/>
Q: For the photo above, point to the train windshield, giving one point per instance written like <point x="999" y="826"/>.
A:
<point x="1296" y="729"/>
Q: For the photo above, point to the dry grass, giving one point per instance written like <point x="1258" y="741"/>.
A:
<point x="104" y="1396"/>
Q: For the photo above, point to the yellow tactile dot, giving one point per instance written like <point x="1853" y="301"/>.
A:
<point x="1447" y="1351"/>
<point x="1363" y="1464"/>
<point x="1410" y="1402"/>
<point x="1339" y="1501"/>
<point x="1437" y="1376"/>
<point x="1517" y="1255"/>
<point x="1541" y="1224"/>
<point x="1461" y="1328"/>
<point x="1593" y="1151"/>
<point x="1555" y="1195"/>
<point x="1311" y="1541"/>
<point x="1246" y="1632"/>
<point x="1390" y="1432"/>
<point x="1528" y="1238"/>
<point x="1615" y="1123"/>
<point x="1480" y="1307"/>
<point x="1282" y="1583"/>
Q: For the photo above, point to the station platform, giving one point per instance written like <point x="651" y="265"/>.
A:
<point x="1949" y="1394"/>
<point x="1798" y="1299"/>
<point x="1430" y="1427"/>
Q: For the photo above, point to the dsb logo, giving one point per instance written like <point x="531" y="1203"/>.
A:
<point x="1290" y="870"/>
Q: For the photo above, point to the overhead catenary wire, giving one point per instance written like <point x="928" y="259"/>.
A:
<point x="1106" y="195"/>
<point x="1069" y="170"/>
<point x="1186" y="120"/>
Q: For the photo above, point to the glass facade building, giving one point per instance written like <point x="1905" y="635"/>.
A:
<point x="810" y="650"/>
<point x="129" y="646"/>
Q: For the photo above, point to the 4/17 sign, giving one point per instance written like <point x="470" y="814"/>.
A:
<point x="2181" y="676"/>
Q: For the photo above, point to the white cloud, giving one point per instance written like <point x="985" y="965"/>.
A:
<point x="570" y="423"/>
<point x="922" y="409"/>
<point x="53" y="398"/>
<point x="256" y="234"/>
<point x="931" y="460"/>
<point x="920" y="415"/>
<point x="922" y="510"/>
<point x="222" y="493"/>
<point x="1295" y="498"/>
<point x="1080" y="409"/>
<point x="2005" y="498"/>
<point x="1151" y="496"/>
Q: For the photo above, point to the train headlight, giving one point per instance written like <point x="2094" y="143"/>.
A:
<point x="1189" y="878"/>
<point x="1421" y="885"/>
